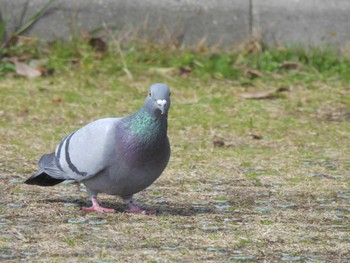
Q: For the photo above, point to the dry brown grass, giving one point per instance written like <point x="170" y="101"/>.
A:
<point x="280" y="196"/>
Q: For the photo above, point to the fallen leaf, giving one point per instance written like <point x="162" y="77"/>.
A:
<point x="47" y="71"/>
<point x="41" y="65"/>
<point x="251" y="73"/>
<point x="282" y="89"/>
<point x="185" y="70"/>
<point x="42" y="89"/>
<point x="258" y="94"/>
<point x="35" y="63"/>
<point x="163" y="71"/>
<point x="289" y="65"/>
<point x="26" y="70"/>
<point x="23" y="113"/>
<point x="201" y="46"/>
<point x="261" y="94"/>
<point x="98" y="44"/>
<point x="11" y="41"/>
<point x="84" y="34"/>
<point x="75" y="62"/>
<point x="255" y="135"/>
<point x="218" y="143"/>
<point x="57" y="100"/>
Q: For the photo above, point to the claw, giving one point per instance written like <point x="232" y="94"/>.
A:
<point x="134" y="209"/>
<point x="97" y="208"/>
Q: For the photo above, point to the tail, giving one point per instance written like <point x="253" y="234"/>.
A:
<point x="42" y="177"/>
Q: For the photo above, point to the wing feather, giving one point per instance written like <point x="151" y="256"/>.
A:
<point x="86" y="152"/>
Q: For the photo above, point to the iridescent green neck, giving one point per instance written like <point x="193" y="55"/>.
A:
<point x="146" y="125"/>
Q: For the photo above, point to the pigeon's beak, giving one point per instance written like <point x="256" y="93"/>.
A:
<point x="162" y="105"/>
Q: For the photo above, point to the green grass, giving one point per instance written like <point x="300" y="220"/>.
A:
<point x="207" y="197"/>
<point x="315" y="64"/>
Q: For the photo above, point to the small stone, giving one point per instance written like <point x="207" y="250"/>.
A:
<point x="243" y="258"/>
<point x="286" y="206"/>
<point x="5" y="222"/>
<point x="29" y="254"/>
<point x="223" y="207"/>
<point x="7" y="256"/>
<point x="102" y="222"/>
<point x="201" y="209"/>
<point x="15" y="181"/>
<point x="6" y="253"/>
<point x="325" y="199"/>
<point x="210" y="228"/>
<point x="313" y="259"/>
<point x="318" y="175"/>
<point x="200" y="203"/>
<point x="232" y="219"/>
<point x="287" y="257"/>
<point x="103" y="244"/>
<point x="79" y="220"/>
<point x="331" y="165"/>
<point x="338" y="176"/>
<point x="343" y="196"/>
<point x="170" y="247"/>
<point x="263" y="209"/>
<point x="221" y="200"/>
<point x="16" y="205"/>
<point x="214" y="249"/>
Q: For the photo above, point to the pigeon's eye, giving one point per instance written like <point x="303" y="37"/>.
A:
<point x="150" y="94"/>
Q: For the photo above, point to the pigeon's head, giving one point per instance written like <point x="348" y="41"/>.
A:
<point x="158" y="98"/>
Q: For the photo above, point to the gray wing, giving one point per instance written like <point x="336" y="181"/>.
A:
<point x="86" y="152"/>
<point x="48" y="164"/>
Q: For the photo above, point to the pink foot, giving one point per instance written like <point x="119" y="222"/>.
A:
<point x="134" y="209"/>
<point x="97" y="208"/>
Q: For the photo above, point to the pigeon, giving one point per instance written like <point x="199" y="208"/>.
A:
<point x="116" y="156"/>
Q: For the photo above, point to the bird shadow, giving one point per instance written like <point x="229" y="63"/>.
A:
<point x="162" y="210"/>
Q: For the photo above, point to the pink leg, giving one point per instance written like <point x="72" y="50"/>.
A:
<point x="97" y="208"/>
<point x="134" y="209"/>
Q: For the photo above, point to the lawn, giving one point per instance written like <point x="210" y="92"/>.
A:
<point x="260" y="154"/>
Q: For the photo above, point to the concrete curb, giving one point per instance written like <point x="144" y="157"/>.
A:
<point x="189" y="22"/>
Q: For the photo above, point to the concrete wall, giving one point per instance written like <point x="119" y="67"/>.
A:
<point x="223" y="22"/>
<point x="302" y="22"/>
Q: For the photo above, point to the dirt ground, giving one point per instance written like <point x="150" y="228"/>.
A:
<point x="248" y="181"/>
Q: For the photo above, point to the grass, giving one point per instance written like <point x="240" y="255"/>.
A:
<point x="276" y="187"/>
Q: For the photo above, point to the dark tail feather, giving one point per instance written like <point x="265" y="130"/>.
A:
<point x="43" y="179"/>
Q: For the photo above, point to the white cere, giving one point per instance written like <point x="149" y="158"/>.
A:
<point x="161" y="102"/>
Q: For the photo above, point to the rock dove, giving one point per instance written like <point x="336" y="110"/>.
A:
<point x="115" y="156"/>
